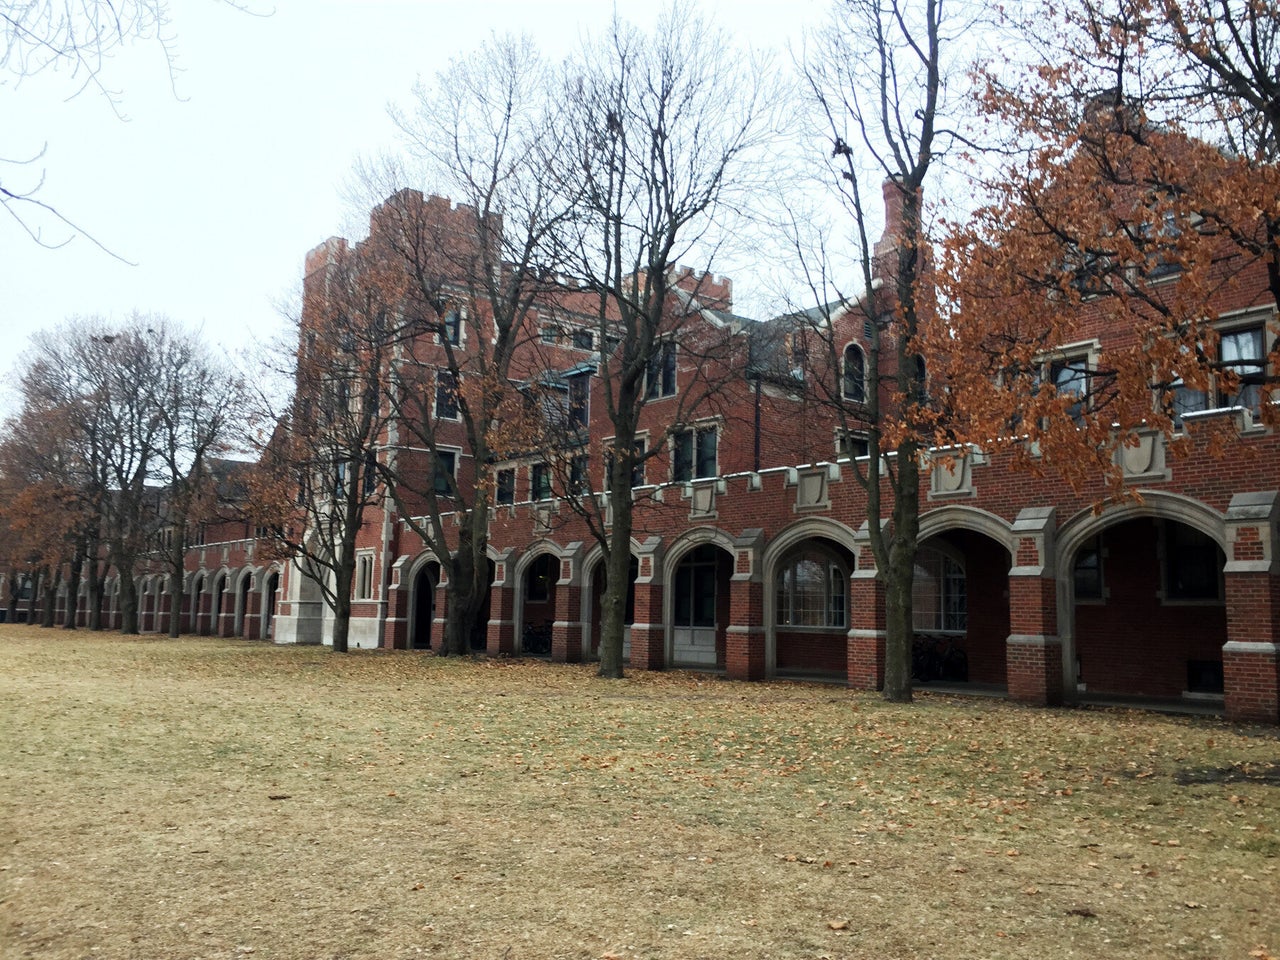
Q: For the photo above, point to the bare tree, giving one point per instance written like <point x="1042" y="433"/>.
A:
<point x="318" y="473"/>
<point x="78" y="37"/>
<point x="201" y="406"/>
<point x="469" y="280"/>
<point x="659" y="134"/>
<point x="879" y="79"/>
<point x="95" y="383"/>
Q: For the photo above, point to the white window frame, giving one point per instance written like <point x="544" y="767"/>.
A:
<point x="364" y="575"/>
<point x="698" y="430"/>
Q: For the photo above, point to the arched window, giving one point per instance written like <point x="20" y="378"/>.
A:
<point x="938" y="602"/>
<point x="855" y="374"/>
<point x="812" y="590"/>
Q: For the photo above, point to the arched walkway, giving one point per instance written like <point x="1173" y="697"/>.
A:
<point x="698" y="569"/>
<point x="806" y="599"/>
<point x="422" y="605"/>
<point x="538" y="574"/>
<point x="1142" y="597"/>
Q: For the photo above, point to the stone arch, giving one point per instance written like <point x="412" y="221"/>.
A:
<point x="534" y="616"/>
<point x="1077" y="531"/>
<point x="957" y="517"/>
<point x="219" y="585"/>
<point x="1154" y="503"/>
<point x="593" y="591"/>
<point x="269" y="596"/>
<point x="982" y="545"/>
<point x="828" y="533"/>
<point x="244" y="583"/>
<point x="422" y="599"/>
<point x="697" y="643"/>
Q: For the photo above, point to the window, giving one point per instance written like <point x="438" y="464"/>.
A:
<point x="799" y="355"/>
<point x="1163" y="261"/>
<point x="1087" y="572"/>
<point x="506" y="487"/>
<point x="582" y="339"/>
<point x="855" y="374"/>
<point x="637" y="466"/>
<point x="1088" y="271"/>
<point x="579" y="400"/>
<point x="445" y="473"/>
<point x="446" y="395"/>
<point x="370" y="473"/>
<point x="579" y="478"/>
<point x="1070" y="377"/>
<point x="364" y="576"/>
<point x="850" y="446"/>
<point x="811" y="591"/>
<point x="339" y="480"/>
<point x="695" y="588"/>
<point x="938" y="593"/>
<point x="549" y="334"/>
<point x="451" y="326"/>
<point x="1243" y="352"/>
<point x="661" y="378"/>
<point x="540" y="481"/>
<point x="1193" y="564"/>
<point x="693" y="455"/>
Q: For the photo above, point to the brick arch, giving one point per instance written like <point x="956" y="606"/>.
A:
<point x="1086" y="524"/>
<point x="520" y="570"/>
<point x="590" y="600"/>
<point x="695" y="537"/>
<point x="1154" y="503"/>
<point x="675" y="556"/>
<point x="802" y="531"/>
<point x="958" y="517"/>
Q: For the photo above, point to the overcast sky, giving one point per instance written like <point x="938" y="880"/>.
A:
<point x="213" y="188"/>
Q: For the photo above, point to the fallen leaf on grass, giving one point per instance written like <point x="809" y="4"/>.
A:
<point x="279" y="796"/>
<point x="838" y="924"/>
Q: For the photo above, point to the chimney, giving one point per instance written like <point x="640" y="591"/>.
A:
<point x="888" y="241"/>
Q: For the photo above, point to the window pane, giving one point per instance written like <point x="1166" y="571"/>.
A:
<point x="707" y="443"/>
<point x="855" y="386"/>
<point x="506" y="486"/>
<point x="682" y="456"/>
<point x="809" y="598"/>
<point x="1241" y="352"/>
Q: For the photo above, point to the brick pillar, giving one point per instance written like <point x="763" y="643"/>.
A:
<point x="1251" y="655"/>
<point x="566" y="629"/>
<point x="648" y="632"/>
<point x="252" y="619"/>
<point x="1033" y="651"/>
<point x="864" y="656"/>
<point x="745" y="642"/>
<point x="395" y="632"/>
<point x="442" y="611"/>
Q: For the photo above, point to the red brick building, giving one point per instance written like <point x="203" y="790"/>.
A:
<point x="751" y="552"/>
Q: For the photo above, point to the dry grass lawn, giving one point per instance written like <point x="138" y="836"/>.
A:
<point x="224" y="799"/>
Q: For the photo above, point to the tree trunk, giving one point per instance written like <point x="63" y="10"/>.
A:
<point x="177" y="584"/>
<point x="128" y="604"/>
<point x="48" y="614"/>
<point x="617" y="576"/>
<point x="899" y="633"/>
<point x="72" y="610"/>
<point x="341" y="626"/>
<point x="903" y="545"/>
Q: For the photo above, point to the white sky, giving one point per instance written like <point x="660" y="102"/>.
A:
<point x="217" y="191"/>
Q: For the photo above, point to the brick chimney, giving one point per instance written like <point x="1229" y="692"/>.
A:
<point x="888" y="241"/>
